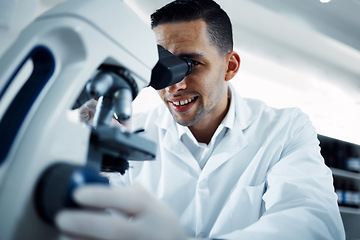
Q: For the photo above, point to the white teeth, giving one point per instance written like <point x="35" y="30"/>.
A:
<point x="184" y="102"/>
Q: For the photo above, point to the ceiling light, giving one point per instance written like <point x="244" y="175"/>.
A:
<point x="325" y="1"/>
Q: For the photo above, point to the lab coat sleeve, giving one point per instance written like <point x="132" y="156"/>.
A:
<point x="300" y="202"/>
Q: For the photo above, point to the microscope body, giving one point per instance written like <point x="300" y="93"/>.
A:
<point x="41" y="76"/>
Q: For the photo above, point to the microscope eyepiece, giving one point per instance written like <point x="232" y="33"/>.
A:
<point x="170" y="69"/>
<point x="189" y="63"/>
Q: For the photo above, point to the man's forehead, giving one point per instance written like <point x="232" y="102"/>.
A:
<point x="191" y="32"/>
<point x="194" y="27"/>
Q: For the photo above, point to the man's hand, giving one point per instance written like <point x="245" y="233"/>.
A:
<point x="87" y="112"/>
<point x="119" y="213"/>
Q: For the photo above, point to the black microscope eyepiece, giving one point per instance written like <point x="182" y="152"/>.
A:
<point x="170" y="69"/>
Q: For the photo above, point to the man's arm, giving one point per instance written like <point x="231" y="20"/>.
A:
<point x="300" y="201"/>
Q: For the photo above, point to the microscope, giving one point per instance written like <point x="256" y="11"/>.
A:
<point x="79" y="50"/>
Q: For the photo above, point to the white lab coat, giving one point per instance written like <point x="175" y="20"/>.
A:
<point x="265" y="180"/>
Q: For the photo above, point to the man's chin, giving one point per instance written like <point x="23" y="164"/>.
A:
<point x="185" y="119"/>
<point x="188" y="122"/>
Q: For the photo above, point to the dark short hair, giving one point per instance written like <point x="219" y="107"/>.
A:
<point x="217" y="21"/>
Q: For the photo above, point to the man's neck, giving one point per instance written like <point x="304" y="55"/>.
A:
<point x="205" y="129"/>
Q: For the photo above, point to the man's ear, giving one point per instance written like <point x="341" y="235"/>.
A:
<point x="233" y="60"/>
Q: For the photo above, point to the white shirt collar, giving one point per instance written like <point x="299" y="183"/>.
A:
<point x="227" y="122"/>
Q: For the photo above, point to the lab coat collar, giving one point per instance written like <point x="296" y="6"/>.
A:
<point x="234" y="141"/>
<point x="229" y="146"/>
<point x="167" y="124"/>
<point x="165" y="120"/>
<point x="243" y="113"/>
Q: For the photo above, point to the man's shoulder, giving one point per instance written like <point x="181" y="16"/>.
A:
<point x="259" y="107"/>
<point x="256" y="111"/>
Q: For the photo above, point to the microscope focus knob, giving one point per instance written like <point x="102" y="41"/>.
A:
<point x="56" y="185"/>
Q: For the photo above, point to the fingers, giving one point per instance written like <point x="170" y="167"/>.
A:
<point x="151" y="219"/>
<point x="91" y="103"/>
<point x="95" y="225"/>
<point x="87" y="111"/>
<point x="85" y="115"/>
<point x="125" y="125"/>
<point x="88" y="223"/>
<point x="129" y="200"/>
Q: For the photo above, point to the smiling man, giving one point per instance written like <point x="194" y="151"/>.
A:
<point x="226" y="166"/>
<point x="202" y="99"/>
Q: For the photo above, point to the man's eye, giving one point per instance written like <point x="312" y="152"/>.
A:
<point x="195" y="62"/>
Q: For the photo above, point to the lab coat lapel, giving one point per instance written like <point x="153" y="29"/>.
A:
<point x="171" y="143"/>
<point x="230" y="145"/>
<point x="234" y="141"/>
<point x="175" y="147"/>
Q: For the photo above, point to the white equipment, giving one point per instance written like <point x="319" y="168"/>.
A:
<point x="78" y="50"/>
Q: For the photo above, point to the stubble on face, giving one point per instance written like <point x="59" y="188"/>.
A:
<point x="187" y="122"/>
<point x="203" y="107"/>
<point x="206" y="83"/>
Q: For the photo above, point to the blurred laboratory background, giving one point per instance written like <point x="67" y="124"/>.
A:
<point x="293" y="53"/>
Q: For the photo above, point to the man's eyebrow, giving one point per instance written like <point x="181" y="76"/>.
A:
<point x="191" y="55"/>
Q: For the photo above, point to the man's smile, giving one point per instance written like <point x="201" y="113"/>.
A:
<point x="183" y="102"/>
<point x="183" y="105"/>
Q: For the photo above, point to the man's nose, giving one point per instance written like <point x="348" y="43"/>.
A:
<point x="177" y="86"/>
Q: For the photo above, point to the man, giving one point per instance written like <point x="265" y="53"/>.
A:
<point x="227" y="167"/>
